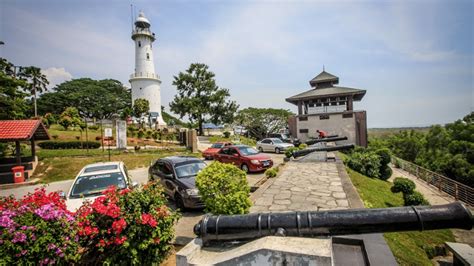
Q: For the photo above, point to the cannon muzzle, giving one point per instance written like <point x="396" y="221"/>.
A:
<point x="337" y="222"/>
<point x="327" y="139"/>
<point x="306" y="151"/>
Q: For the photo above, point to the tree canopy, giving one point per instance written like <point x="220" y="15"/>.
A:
<point x="92" y="98"/>
<point x="259" y="122"/>
<point x="12" y="99"/>
<point x="36" y="82"/>
<point x="200" y="98"/>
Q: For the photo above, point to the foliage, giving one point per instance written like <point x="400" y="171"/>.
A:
<point x="171" y="120"/>
<point x="141" y="107"/>
<point x="54" y="145"/>
<point x="409" y="248"/>
<point x="303" y="146"/>
<point x="236" y="140"/>
<point x="404" y="185"/>
<point x="290" y="150"/>
<point x="93" y="127"/>
<point x="134" y="227"/>
<point x="415" y="198"/>
<point x="224" y="189"/>
<point x="92" y="98"/>
<point x="36" y="82"/>
<point x="226" y="134"/>
<point x="12" y="99"/>
<point x="200" y="98"/>
<point x="37" y="230"/>
<point x="259" y="122"/>
<point x="65" y="122"/>
<point x="140" y="133"/>
<point x="271" y="172"/>
<point x="366" y="163"/>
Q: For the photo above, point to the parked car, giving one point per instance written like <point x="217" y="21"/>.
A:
<point x="285" y="138"/>
<point x="211" y="151"/>
<point x="273" y="145"/>
<point x="177" y="174"/>
<point x="246" y="158"/>
<point x="93" y="179"/>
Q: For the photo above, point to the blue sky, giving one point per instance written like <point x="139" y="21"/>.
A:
<point x="414" y="58"/>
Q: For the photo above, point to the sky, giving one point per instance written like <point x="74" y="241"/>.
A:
<point x="415" y="58"/>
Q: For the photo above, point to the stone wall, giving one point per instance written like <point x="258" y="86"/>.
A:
<point x="334" y="125"/>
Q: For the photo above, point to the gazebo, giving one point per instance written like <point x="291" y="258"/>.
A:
<point x="18" y="131"/>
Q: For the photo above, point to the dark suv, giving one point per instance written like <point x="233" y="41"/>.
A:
<point x="177" y="175"/>
<point x="285" y="138"/>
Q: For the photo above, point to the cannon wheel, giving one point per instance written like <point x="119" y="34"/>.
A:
<point x="244" y="168"/>
<point x="277" y="150"/>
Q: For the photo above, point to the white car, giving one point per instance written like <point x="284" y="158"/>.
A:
<point x="93" y="179"/>
<point x="273" y="145"/>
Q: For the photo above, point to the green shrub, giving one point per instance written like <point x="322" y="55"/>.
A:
<point x="303" y="146"/>
<point x="384" y="156"/>
<point x="366" y="163"/>
<point x="65" y="122"/>
<point x="385" y="173"/>
<point x="140" y="133"/>
<point x="289" y="151"/>
<point x="404" y="185"/>
<point x="226" y="134"/>
<point x="271" y="172"/>
<point x="53" y="145"/>
<point x="94" y="127"/>
<point x="224" y="189"/>
<point x="55" y="136"/>
<point x="415" y="198"/>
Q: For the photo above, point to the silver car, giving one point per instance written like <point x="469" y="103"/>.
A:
<point x="273" y="145"/>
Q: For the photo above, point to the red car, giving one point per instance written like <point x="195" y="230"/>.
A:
<point x="246" y="158"/>
<point x="211" y="151"/>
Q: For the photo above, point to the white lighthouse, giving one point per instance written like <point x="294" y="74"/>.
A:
<point x="145" y="83"/>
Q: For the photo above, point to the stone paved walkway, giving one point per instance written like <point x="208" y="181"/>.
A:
<point x="303" y="186"/>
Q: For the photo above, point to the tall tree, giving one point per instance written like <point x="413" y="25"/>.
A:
<point x="12" y="99"/>
<point x="93" y="98"/>
<point x="200" y="98"/>
<point x="37" y="82"/>
<point x="259" y="122"/>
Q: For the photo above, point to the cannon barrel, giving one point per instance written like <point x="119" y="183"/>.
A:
<point x="337" y="222"/>
<point x="327" y="139"/>
<point x="306" y="151"/>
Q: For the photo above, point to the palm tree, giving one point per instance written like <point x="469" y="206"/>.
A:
<point x="37" y="81"/>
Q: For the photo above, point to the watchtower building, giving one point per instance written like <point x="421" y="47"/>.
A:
<point x="329" y="108"/>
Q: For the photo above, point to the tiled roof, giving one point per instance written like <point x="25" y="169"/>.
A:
<point x="331" y="91"/>
<point x="323" y="77"/>
<point x="12" y="130"/>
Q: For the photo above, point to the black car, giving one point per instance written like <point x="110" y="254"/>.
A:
<point x="285" y="138"/>
<point x="177" y="175"/>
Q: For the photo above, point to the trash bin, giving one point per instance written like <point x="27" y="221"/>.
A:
<point x="18" y="174"/>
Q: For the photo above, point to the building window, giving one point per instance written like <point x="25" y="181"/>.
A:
<point x="304" y="118"/>
<point x="304" y="130"/>
<point x="323" y="117"/>
<point x="347" y="115"/>
<point x="139" y="44"/>
<point x="147" y="56"/>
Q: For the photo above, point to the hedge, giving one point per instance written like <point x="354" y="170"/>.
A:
<point x="54" y="145"/>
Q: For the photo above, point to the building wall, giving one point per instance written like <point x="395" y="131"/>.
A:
<point x="348" y="124"/>
<point x="148" y="89"/>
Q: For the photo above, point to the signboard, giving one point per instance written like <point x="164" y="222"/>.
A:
<point x="121" y="129"/>
<point x="107" y="132"/>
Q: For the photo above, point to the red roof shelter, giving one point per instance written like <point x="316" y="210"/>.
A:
<point x="22" y="130"/>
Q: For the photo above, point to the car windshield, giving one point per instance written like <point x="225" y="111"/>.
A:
<point x="284" y="136"/>
<point x="101" y="168"/>
<point x="277" y="141"/>
<point x="217" y="145"/>
<point x="189" y="169"/>
<point x="247" y="151"/>
<point x="95" y="184"/>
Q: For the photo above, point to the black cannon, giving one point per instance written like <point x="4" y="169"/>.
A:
<point x="338" y="222"/>
<point x="327" y="139"/>
<point x="306" y="151"/>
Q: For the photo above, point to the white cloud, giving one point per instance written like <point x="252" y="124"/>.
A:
<point x="56" y="75"/>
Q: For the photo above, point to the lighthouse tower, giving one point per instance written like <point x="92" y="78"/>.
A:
<point x="145" y="83"/>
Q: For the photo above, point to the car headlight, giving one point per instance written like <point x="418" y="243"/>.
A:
<point x="255" y="161"/>
<point x="192" y="192"/>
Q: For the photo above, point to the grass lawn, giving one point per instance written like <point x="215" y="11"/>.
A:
<point x="243" y="140"/>
<point x="409" y="248"/>
<point x="56" y="165"/>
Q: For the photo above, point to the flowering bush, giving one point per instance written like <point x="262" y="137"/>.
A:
<point x="37" y="229"/>
<point x="126" y="226"/>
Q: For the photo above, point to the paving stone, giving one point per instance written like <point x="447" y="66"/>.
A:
<point x="339" y="195"/>
<point x="282" y="196"/>
<point x="275" y="207"/>
<point x="297" y="189"/>
<point x="282" y="202"/>
<point x="336" y="189"/>
<point x="331" y="203"/>
<point x="298" y="199"/>
<point x="342" y="203"/>
<point x="265" y="201"/>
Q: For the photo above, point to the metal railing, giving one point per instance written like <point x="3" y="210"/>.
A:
<point x="144" y="75"/>
<point x="453" y="188"/>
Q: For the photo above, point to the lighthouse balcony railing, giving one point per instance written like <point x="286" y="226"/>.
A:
<point x="143" y="31"/>
<point x="144" y="75"/>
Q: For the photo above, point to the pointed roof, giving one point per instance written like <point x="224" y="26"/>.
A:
<point x="313" y="93"/>
<point x="324" y="77"/>
<point x="13" y="130"/>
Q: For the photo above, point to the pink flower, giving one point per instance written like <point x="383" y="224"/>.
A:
<point x="19" y="237"/>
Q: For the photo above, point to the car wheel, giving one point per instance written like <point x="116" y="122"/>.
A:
<point x="245" y="168"/>
<point x="179" y="202"/>
<point x="260" y="149"/>
<point x="277" y="150"/>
